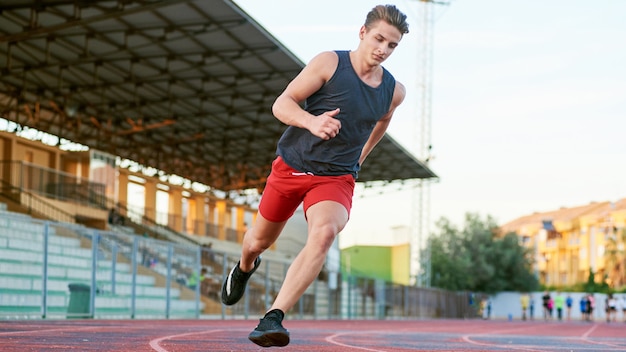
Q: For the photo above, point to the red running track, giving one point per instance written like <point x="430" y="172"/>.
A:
<point x="311" y="335"/>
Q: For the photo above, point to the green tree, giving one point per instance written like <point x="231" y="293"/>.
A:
<point x="448" y="266"/>
<point x="516" y="264"/>
<point x="592" y="286"/>
<point x="475" y="259"/>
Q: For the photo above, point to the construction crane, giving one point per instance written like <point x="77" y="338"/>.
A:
<point x="419" y="252"/>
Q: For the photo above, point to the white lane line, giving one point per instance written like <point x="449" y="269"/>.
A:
<point x="468" y="338"/>
<point x="69" y="328"/>
<point x="585" y="337"/>
<point x="588" y="332"/>
<point x="155" y="344"/>
<point x="331" y="339"/>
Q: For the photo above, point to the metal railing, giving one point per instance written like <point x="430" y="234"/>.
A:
<point x="39" y="182"/>
<point x="33" y="204"/>
<point x="121" y="275"/>
<point x="135" y="277"/>
<point x="53" y="184"/>
<point x="118" y="262"/>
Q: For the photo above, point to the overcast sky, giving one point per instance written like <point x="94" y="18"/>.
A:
<point x="529" y="101"/>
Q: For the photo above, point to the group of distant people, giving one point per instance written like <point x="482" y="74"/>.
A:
<point x="557" y="303"/>
<point x="587" y="306"/>
<point x="563" y="306"/>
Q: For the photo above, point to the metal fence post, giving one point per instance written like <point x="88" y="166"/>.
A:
<point x="44" y="273"/>
<point x="113" y="266"/>
<point x="332" y="296"/>
<point x="300" y="306"/>
<point x="199" y="267"/>
<point x="168" y="280"/>
<point x="405" y="310"/>
<point x="349" y="297"/>
<point x="246" y="302"/>
<point x="224" y="274"/>
<point x="381" y="302"/>
<point x="133" y="287"/>
<point x="94" y="267"/>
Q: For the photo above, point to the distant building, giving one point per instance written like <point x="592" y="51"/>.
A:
<point x="386" y="258"/>
<point x="569" y="242"/>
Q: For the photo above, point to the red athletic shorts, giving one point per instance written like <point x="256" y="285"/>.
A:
<point x="286" y="188"/>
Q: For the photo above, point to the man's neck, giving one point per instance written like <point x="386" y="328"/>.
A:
<point x="366" y="71"/>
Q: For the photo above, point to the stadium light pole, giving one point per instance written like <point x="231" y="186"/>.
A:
<point x="420" y="252"/>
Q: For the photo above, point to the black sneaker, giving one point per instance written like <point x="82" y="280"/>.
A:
<point x="235" y="283"/>
<point x="270" y="331"/>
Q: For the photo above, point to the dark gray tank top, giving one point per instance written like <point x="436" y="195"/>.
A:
<point x="361" y="106"/>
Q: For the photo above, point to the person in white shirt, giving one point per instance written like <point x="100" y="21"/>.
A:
<point x="621" y="307"/>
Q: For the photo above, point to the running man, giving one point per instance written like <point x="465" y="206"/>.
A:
<point x="349" y="101"/>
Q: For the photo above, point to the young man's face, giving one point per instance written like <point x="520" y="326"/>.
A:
<point x="379" y="41"/>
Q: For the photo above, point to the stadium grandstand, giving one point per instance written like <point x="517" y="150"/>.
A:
<point x="100" y="99"/>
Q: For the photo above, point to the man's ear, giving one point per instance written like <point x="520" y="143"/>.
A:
<point x="362" y="32"/>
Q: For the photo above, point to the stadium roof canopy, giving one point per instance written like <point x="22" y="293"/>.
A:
<point x="182" y="86"/>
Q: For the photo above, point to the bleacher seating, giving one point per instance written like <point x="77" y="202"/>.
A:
<point x="70" y="261"/>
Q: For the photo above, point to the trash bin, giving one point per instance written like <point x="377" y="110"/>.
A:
<point x="80" y="297"/>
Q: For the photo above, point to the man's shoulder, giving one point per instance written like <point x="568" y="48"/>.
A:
<point x="324" y="58"/>
<point x="326" y="55"/>
<point x="323" y="64"/>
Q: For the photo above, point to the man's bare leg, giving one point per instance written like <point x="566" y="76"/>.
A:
<point x="257" y="239"/>
<point x="326" y="219"/>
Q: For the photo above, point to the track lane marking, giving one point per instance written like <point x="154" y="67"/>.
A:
<point x="155" y="343"/>
<point x="69" y="328"/>
<point x="585" y="337"/>
<point x="588" y="332"/>
<point x="330" y="339"/>
<point x="467" y="338"/>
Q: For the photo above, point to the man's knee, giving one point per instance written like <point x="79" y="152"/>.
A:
<point x="257" y="245"/>
<point x="323" y="236"/>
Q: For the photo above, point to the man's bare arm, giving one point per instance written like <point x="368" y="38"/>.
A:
<point x="381" y="126"/>
<point x="287" y="107"/>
